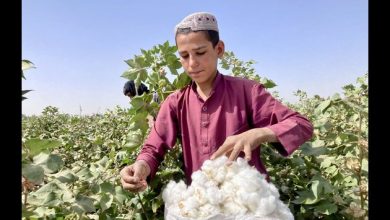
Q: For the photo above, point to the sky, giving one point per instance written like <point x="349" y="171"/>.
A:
<point x="79" y="47"/>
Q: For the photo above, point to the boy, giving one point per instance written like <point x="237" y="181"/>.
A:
<point x="216" y="114"/>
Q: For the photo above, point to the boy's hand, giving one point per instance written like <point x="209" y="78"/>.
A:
<point x="246" y="142"/>
<point x="133" y="177"/>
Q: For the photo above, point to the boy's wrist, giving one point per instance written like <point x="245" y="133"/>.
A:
<point x="264" y="135"/>
<point x="145" y="166"/>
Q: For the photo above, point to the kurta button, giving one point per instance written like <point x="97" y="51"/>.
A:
<point x="204" y="108"/>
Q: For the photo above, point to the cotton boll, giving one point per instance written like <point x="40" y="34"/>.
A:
<point x="210" y="183"/>
<point x="214" y="195"/>
<point x="180" y="186"/>
<point x="247" y="184"/>
<point x="240" y="196"/>
<point x="272" y="188"/>
<point x="198" y="177"/>
<point x="189" y="207"/>
<point x="228" y="189"/>
<point x="221" y="174"/>
<point x="167" y="193"/>
<point x="232" y="170"/>
<point x="174" y="209"/>
<point x="188" y="193"/>
<point x="208" y="210"/>
<point x="241" y="162"/>
<point x="200" y="195"/>
<point x="219" y="162"/>
<point x="190" y="213"/>
<point x="236" y="190"/>
<point x="252" y="201"/>
<point x="210" y="167"/>
<point x="266" y="206"/>
<point x="191" y="203"/>
<point x="230" y="207"/>
<point x="173" y="193"/>
<point x="282" y="212"/>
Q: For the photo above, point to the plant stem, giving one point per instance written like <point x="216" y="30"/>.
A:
<point x="360" y="161"/>
<point x="142" y="205"/>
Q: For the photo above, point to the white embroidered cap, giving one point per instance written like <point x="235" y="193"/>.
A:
<point x="199" y="21"/>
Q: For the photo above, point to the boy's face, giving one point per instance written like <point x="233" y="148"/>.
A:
<point x="198" y="57"/>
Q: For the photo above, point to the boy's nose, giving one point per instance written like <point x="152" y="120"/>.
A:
<point x="193" y="61"/>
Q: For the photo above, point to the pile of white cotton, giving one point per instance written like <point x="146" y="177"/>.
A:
<point x="222" y="191"/>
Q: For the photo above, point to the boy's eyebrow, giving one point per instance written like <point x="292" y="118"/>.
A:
<point x="198" y="48"/>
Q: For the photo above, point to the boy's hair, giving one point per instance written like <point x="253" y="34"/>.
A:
<point x="212" y="36"/>
<point x="129" y="89"/>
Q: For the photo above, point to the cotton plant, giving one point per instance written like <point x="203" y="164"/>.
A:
<point x="221" y="190"/>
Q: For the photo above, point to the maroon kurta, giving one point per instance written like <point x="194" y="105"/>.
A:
<point x="235" y="105"/>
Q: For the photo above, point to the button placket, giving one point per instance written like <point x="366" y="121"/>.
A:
<point x="204" y="120"/>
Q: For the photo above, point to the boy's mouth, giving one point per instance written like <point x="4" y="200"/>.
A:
<point x="195" y="72"/>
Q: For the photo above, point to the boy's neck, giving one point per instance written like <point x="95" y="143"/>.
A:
<point x="204" y="93"/>
<point x="204" y="90"/>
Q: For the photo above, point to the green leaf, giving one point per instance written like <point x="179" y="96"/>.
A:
<point x="52" y="195"/>
<point x="182" y="80"/>
<point x="316" y="188"/>
<point x="323" y="106"/>
<point x="121" y="195"/>
<point x="106" y="201"/>
<point x="336" y="97"/>
<point x="356" y="107"/>
<point x="45" y="212"/>
<point x="27" y="213"/>
<point x="103" y="162"/>
<point x="327" y="162"/>
<point x="332" y="170"/>
<point x="38" y="145"/>
<point x="137" y="102"/>
<point x="50" y="162"/>
<point x="350" y="181"/>
<point x="167" y="173"/>
<point x="133" y="140"/>
<point x="318" y="143"/>
<point x="26" y="64"/>
<point x="83" y="204"/>
<point x="365" y="164"/>
<point x="305" y="197"/>
<point x="133" y="74"/>
<point x="308" y="149"/>
<point x="66" y="176"/>
<point x="321" y="185"/>
<point x="225" y="65"/>
<point x="26" y="91"/>
<point x="268" y="83"/>
<point x="107" y="187"/>
<point x="156" y="203"/>
<point x="326" y="208"/>
<point x="85" y="174"/>
<point x="33" y="173"/>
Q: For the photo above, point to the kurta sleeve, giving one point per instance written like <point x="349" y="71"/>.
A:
<point x="161" y="137"/>
<point x="291" y="128"/>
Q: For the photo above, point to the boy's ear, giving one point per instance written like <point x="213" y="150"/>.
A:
<point x="220" y="47"/>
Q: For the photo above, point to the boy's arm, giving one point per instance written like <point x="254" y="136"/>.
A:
<point x="162" y="136"/>
<point x="290" y="127"/>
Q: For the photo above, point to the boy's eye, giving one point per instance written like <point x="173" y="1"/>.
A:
<point x="184" y="56"/>
<point x="201" y="53"/>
